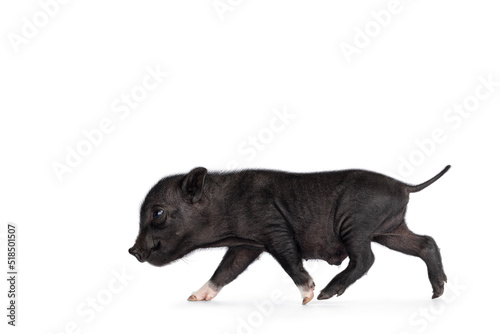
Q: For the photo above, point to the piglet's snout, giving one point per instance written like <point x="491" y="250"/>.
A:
<point x="135" y="252"/>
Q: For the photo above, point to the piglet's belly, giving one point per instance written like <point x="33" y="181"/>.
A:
<point x="333" y="254"/>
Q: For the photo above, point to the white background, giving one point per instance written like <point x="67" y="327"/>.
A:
<point x="228" y="74"/>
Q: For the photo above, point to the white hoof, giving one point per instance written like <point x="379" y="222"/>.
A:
<point x="206" y="292"/>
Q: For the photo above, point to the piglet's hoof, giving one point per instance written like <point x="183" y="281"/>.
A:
<point x="195" y="298"/>
<point x="307" y="299"/>
<point x="206" y="292"/>
<point x="307" y="292"/>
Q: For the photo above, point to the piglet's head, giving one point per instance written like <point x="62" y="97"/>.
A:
<point x="172" y="218"/>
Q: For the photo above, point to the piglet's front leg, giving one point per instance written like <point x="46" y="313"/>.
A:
<point x="283" y="248"/>
<point x="235" y="261"/>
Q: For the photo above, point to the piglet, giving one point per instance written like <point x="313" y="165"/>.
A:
<point x="293" y="216"/>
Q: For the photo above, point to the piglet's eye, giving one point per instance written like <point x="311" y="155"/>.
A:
<point x="157" y="213"/>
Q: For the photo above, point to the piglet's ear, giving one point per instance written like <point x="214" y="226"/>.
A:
<point x="192" y="185"/>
